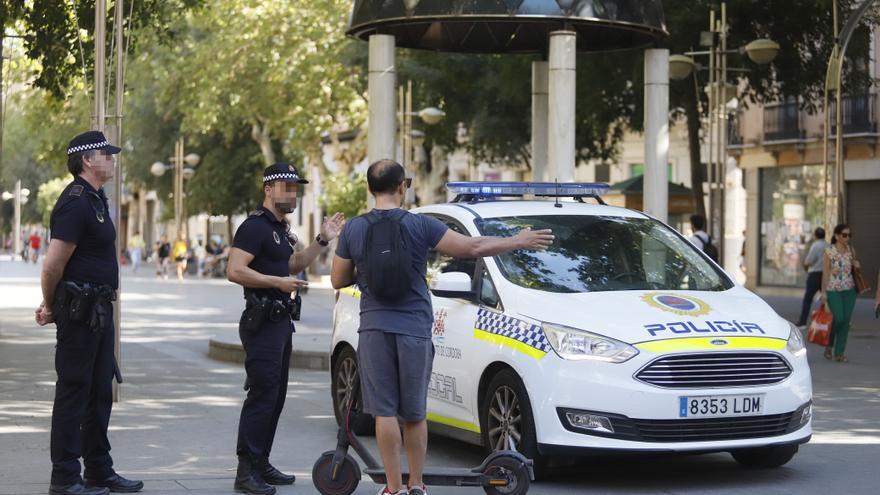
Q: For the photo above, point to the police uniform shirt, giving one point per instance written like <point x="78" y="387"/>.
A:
<point x="269" y="240"/>
<point x="82" y="216"/>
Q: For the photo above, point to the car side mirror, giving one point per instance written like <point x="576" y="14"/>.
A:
<point x="455" y="285"/>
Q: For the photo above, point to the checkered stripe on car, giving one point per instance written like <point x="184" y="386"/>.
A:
<point x="512" y="328"/>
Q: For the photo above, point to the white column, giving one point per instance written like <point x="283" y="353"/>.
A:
<point x="656" y="189"/>
<point x="382" y="107"/>
<point x="539" y="120"/>
<point x="561" y="101"/>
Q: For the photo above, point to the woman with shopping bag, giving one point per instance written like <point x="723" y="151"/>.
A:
<point x="839" y="289"/>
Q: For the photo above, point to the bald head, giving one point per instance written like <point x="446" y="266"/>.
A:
<point x="385" y="176"/>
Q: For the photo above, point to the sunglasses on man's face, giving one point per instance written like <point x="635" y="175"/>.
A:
<point x="408" y="182"/>
<point x="845" y="234"/>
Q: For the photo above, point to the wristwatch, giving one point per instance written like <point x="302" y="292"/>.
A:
<point x="320" y="240"/>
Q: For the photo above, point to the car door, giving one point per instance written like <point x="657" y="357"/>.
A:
<point x="453" y="386"/>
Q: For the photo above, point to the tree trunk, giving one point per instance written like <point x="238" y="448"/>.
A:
<point x="229" y="228"/>
<point x="260" y="134"/>
<point x="693" y="127"/>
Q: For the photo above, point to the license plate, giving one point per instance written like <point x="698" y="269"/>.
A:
<point x="715" y="406"/>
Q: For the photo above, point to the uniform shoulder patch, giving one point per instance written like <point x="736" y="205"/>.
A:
<point x="76" y="190"/>
<point x="256" y="213"/>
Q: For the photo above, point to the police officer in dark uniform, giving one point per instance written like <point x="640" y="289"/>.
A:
<point x="79" y="282"/>
<point x="262" y="260"/>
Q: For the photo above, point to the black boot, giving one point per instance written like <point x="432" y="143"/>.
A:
<point x="118" y="484"/>
<point x="248" y="481"/>
<point x="272" y="475"/>
<point x="78" y="488"/>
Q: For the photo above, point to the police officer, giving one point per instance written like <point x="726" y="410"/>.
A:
<point x="79" y="282"/>
<point x="262" y="261"/>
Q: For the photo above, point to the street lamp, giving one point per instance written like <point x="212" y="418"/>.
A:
<point x="760" y="51"/>
<point x="20" y="196"/>
<point x="184" y="169"/>
<point x="408" y="136"/>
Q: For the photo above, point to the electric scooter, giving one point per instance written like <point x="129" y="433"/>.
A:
<point x="504" y="472"/>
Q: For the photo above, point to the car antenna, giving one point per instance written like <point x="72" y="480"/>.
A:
<point x="557" y="204"/>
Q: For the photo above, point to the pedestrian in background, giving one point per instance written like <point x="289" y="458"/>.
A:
<point x="179" y="252"/>
<point x="136" y="250"/>
<point x="163" y="251"/>
<point x="79" y="283"/>
<point x="838" y="289"/>
<point x="813" y="264"/>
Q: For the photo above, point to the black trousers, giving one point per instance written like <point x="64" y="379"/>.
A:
<point x="83" y="400"/>
<point x="267" y="363"/>
<point x="814" y="285"/>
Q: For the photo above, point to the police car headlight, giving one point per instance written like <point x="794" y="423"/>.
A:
<point x="796" y="344"/>
<point x="574" y="344"/>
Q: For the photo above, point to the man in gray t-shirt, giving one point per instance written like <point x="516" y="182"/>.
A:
<point x="395" y="352"/>
<point x="813" y="266"/>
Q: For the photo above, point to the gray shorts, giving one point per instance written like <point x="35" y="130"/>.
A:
<point x="395" y="370"/>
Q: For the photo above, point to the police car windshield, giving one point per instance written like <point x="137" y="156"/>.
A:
<point x="599" y="253"/>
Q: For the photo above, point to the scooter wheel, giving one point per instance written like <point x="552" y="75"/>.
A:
<point x="511" y="470"/>
<point x="347" y="478"/>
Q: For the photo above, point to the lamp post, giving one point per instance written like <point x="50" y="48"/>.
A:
<point x="20" y="196"/>
<point x="182" y="172"/>
<point x="429" y="116"/>
<point x="720" y="92"/>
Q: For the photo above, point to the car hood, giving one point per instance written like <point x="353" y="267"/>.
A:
<point x="644" y="316"/>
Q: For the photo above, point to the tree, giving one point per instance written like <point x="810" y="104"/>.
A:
<point x="345" y="193"/>
<point x="47" y="196"/>
<point x="274" y="68"/>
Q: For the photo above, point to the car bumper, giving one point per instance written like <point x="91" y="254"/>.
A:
<point x="645" y="417"/>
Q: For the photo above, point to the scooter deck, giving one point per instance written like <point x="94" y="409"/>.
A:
<point x="436" y="476"/>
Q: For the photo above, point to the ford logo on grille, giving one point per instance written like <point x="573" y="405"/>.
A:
<point x="718" y="342"/>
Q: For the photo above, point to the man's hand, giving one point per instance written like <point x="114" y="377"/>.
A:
<point x="43" y="315"/>
<point x="331" y="227"/>
<point x="535" y="240"/>
<point x="290" y="284"/>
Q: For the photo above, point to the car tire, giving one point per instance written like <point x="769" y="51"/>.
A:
<point x="505" y="390"/>
<point x="765" y="457"/>
<point x="345" y="370"/>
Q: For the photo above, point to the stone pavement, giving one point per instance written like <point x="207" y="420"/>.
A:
<point x="175" y="426"/>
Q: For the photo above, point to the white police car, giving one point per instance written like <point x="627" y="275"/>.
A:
<point x="622" y="336"/>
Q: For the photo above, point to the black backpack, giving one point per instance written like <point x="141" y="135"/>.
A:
<point x="388" y="259"/>
<point x="709" y="248"/>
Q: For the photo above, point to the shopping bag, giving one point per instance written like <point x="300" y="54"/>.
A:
<point x="820" y="326"/>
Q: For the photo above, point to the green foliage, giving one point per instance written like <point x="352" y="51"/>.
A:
<point x="345" y="193"/>
<point x="228" y="180"/>
<point x="47" y="196"/>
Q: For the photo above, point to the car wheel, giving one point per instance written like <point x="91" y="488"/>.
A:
<point x="506" y="419"/>
<point x="345" y="372"/>
<point x="765" y="457"/>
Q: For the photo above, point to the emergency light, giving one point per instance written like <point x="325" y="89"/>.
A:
<point x="491" y="190"/>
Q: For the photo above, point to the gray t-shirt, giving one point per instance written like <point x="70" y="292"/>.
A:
<point x="814" y="259"/>
<point x="412" y="314"/>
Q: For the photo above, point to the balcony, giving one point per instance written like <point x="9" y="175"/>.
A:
<point x="783" y="123"/>
<point x="858" y="115"/>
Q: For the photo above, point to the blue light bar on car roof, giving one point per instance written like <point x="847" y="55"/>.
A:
<point x="544" y="189"/>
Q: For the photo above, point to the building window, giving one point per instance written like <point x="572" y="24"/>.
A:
<point x="603" y="173"/>
<point x="791" y="207"/>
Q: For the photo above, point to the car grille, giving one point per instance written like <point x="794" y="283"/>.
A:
<point x="714" y="370"/>
<point x="694" y="430"/>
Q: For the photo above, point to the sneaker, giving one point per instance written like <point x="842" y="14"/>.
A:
<point x="386" y="491"/>
<point x="418" y="490"/>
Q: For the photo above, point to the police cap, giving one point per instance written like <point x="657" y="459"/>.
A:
<point x="284" y="172"/>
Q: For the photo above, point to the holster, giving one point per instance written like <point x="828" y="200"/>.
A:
<point x="254" y="312"/>
<point x="84" y="303"/>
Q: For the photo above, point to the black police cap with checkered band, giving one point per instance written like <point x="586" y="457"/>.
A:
<point x="284" y="172"/>
<point x="91" y="140"/>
